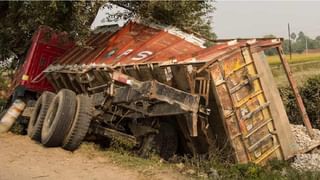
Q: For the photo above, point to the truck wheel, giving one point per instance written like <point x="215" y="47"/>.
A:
<point x="39" y="113"/>
<point x="167" y="141"/>
<point x="80" y="124"/>
<point x="58" y="118"/>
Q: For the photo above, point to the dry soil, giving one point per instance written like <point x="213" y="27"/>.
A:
<point x="21" y="158"/>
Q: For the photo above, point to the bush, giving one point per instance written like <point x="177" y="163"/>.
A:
<point x="310" y="93"/>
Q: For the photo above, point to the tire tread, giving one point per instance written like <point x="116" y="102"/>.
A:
<point x="80" y="124"/>
<point x="34" y="131"/>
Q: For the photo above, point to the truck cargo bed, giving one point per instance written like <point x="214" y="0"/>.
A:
<point x="221" y="96"/>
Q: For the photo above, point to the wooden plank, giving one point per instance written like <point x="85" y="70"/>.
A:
<point x="278" y="113"/>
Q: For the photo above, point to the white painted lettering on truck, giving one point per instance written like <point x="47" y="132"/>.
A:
<point x="127" y="52"/>
<point x="142" y="55"/>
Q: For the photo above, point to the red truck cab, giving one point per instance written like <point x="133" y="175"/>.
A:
<point x="46" y="47"/>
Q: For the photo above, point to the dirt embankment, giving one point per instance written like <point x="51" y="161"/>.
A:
<point x="21" y="158"/>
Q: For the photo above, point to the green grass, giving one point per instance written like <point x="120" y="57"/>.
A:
<point x="296" y="58"/>
<point x="302" y="66"/>
<point x="123" y="157"/>
<point x="195" y="167"/>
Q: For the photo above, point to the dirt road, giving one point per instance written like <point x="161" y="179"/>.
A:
<point x="21" y="158"/>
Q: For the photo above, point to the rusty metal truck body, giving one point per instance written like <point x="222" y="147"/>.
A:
<point x="222" y="97"/>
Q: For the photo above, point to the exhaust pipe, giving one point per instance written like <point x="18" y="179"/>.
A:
<point x="11" y="115"/>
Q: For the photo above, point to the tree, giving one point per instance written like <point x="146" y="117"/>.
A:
<point x="270" y="52"/>
<point x="301" y="36"/>
<point x="301" y="43"/>
<point x="317" y="42"/>
<point x="20" y="19"/>
<point x="190" y="16"/>
<point x="304" y="41"/>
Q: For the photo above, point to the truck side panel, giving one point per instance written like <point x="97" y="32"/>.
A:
<point x="249" y="117"/>
<point x="46" y="47"/>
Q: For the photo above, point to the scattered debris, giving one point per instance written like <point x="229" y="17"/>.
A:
<point x="302" y="138"/>
<point x="306" y="161"/>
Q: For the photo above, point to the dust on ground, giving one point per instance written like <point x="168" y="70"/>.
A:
<point x="21" y="158"/>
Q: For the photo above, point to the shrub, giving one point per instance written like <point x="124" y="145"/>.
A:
<point x="310" y="93"/>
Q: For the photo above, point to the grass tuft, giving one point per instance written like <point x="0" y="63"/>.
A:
<point x="197" y="167"/>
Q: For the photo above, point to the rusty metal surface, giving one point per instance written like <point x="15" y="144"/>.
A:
<point x="297" y="96"/>
<point x="224" y="76"/>
<point x="136" y="43"/>
<point x="80" y="55"/>
<point x="246" y="113"/>
<point x="133" y="43"/>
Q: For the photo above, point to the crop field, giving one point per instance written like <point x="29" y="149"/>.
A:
<point x="296" y="58"/>
<point x="303" y="67"/>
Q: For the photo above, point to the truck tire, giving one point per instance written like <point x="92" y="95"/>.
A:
<point x="80" y="124"/>
<point x="164" y="143"/>
<point x="39" y="113"/>
<point x="58" y="118"/>
<point x="167" y="141"/>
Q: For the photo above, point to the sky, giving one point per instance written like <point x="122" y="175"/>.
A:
<point x="246" y="19"/>
<point x="233" y="19"/>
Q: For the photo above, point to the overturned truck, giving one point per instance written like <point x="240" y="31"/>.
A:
<point x="161" y="89"/>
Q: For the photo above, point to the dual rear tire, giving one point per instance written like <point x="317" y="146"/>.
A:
<point x="38" y="115"/>
<point x="80" y="124"/>
<point x="64" y="120"/>
<point x="61" y="120"/>
<point x="58" y="118"/>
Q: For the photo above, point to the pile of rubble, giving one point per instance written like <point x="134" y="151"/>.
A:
<point x="306" y="161"/>
<point x="302" y="138"/>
